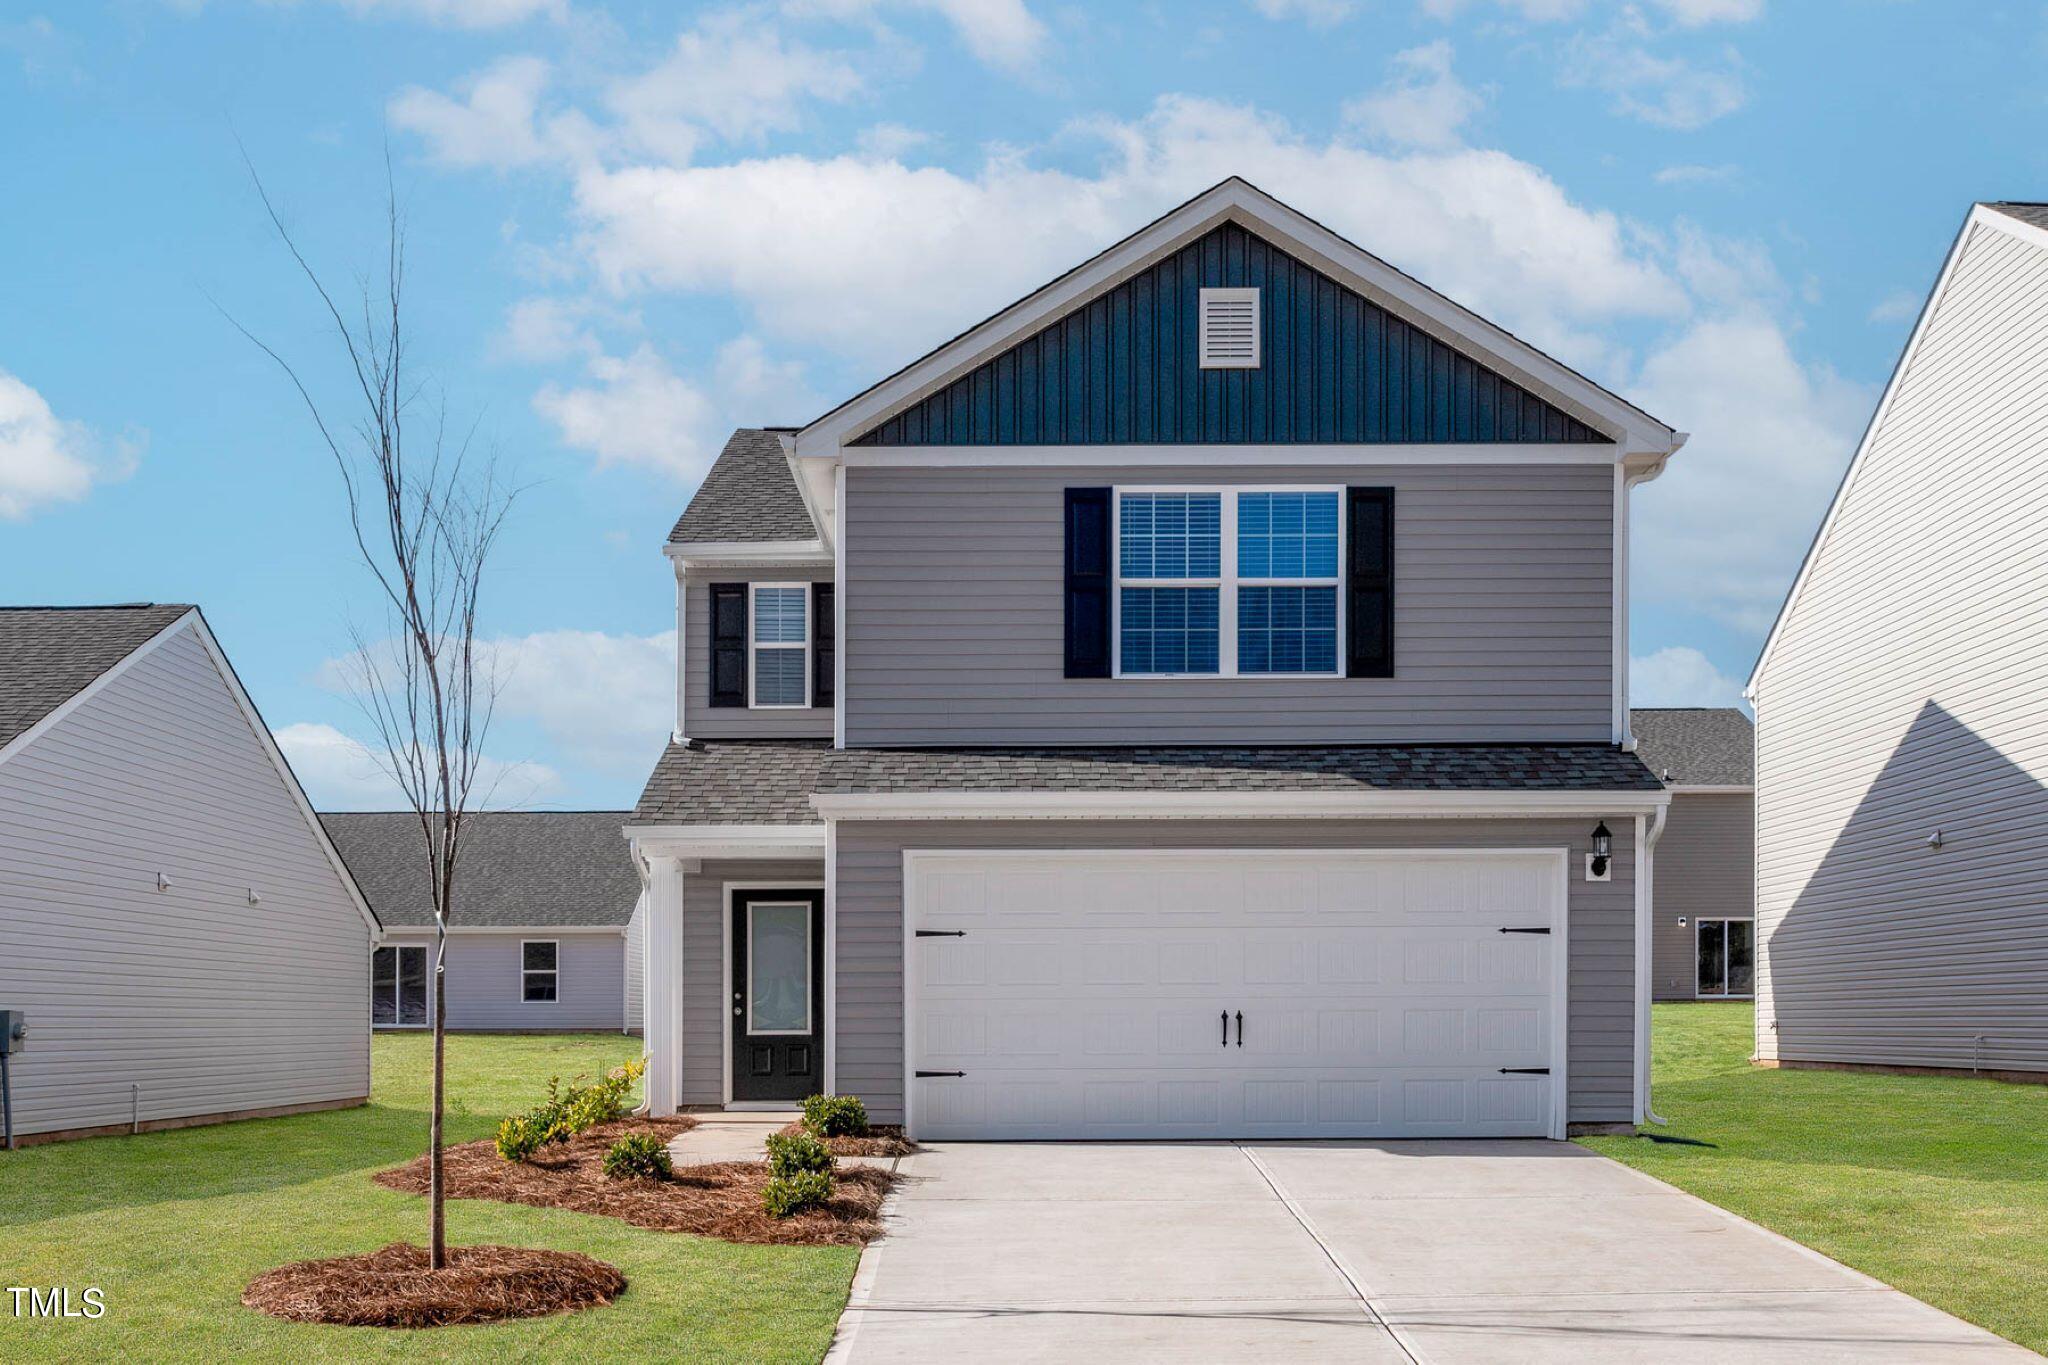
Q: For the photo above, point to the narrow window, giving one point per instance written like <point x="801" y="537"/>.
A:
<point x="1170" y="562"/>
<point x="384" y="986"/>
<point x="1229" y="329"/>
<point x="781" y="645"/>
<point x="537" y="971"/>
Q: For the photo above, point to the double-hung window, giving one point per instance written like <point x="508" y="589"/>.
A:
<point x="779" y="646"/>
<point x="539" y="970"/>
<point x="1235" y="582"/>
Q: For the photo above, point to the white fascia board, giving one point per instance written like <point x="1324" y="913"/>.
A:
<point x="1236" y="456"/>
<point x="704" y="554"/>
<point x="94" y="688"/>
<point x="1237" y="201"/>
<point x="284" y="769"/>
<point x="726" y="841"/>
<point x="396" y="931"/>
<point x="1711" y="789"/>
<point x="997" y="805"/>
<point x="1979" y="216"/>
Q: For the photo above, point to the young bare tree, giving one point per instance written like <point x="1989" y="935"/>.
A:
<point x="425" y="511"/>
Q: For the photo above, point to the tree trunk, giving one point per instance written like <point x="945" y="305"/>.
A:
<point x="437" y="1236"/>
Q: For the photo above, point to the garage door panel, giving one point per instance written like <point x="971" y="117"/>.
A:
<point x="1120" y="995"/>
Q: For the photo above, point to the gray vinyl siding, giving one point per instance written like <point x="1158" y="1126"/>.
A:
<point x="1904" y="696"/>
<point x="484" y="993"/>
<point x="869" y="909"/>
<point x="954" y="600"/>
<point x="209" y="1003"/>
<point x="1706" y="869"/>
<point x="636" y="969"/>
<point x="701" y="719"/>
<point x="706" y="1014"/>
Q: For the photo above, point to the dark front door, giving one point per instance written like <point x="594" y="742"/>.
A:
<point x="778" y="994"/>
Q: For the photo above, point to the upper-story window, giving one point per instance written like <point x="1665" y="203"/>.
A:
<point x="1228" y="582"/>
<point x="780" y="645"/>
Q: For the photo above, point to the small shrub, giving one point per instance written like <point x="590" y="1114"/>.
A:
<point x="836" y="1116"/>
<point x="795" y="1153"/>
<point x="565" y="1113"/>
<point x="788" y="1194"/>
<point x="519" y="1137"/>
<point x="638" y="1156"/>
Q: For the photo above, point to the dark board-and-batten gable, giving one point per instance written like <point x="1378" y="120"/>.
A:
<point x="1334" y="368"/>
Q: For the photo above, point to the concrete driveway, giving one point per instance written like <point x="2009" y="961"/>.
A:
<point x="1366" y="1252"/>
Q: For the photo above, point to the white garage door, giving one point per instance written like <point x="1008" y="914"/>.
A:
<point x="1204" y="995"/>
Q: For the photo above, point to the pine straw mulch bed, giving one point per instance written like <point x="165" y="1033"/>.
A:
<point x="879" y="1143"/>
<point x="392" y="1287"/>
<point x="721" y="1200"/>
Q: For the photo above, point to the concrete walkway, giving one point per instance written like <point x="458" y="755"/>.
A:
<point x="1368" y="1252"/>
<point x="736" y="1135"/>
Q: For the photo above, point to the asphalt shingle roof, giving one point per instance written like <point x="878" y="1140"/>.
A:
<point x="748" y="495"/>
<point x="48" y="655"/>
<point x="2035" y="214"/>
<point x="516" y="868"/>
<point x="1697" y="746"/>
<point x="1377" y="767"/>
<point x="734" y="782"/>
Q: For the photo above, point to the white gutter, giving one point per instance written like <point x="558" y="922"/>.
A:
<point x="1184" y="805"/>
<point x="1646" y="842"/>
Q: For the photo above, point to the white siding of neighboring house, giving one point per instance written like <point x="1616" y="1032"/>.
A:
<point x="486" y="984"/>
<point x="636" y="968"/>
<point x="1907" y="691"/>
<point x="208" y="1003"/>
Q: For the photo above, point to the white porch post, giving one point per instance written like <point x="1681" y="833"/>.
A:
<point x="663" y="984"/>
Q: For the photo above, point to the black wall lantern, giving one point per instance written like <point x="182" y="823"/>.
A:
<point x="1603" y="843"/>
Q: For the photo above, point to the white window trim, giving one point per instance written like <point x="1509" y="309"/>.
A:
<point x="1209" y="295"/>
<point x="398" y="950"/>
<point x="1701" y="922"/>
<point x="754" y="649"/>
<point x="810" y="969"/>
<point x="1227" y="585"/>
<point x="526" y="972"/>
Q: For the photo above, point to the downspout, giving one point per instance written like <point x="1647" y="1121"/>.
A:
<point x="641" y="1110"/>
<point x="1646" y="843"/>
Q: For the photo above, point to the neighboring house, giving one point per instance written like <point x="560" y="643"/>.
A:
<point x="538" y="938"/>
<point x="185" y="942"/>
<point x="1183" y="705"/>
<point x="1902" y="822"/>
<point x="1704" y="945"/>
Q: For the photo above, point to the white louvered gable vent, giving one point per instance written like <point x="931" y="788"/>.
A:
<point x="1230" y="329"/>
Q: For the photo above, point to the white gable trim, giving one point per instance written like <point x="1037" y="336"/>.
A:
<point x="1237" y="201"/>
<point x="284" y="771"/>
<point x="1980" y="216"/>
<point x="1300" y="453"/>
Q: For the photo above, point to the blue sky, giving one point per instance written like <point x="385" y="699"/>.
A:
<point x="633" y="226"/>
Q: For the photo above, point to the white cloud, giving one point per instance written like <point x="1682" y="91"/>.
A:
<point x="605" y="701"/>
<point x="340" y="772"/>
<point x="1724" y="529"/>
<point x="1002" y="33"/>
<point x="544" y="328"/>
<point x="45" y="459"/>
<point x="1679" y="676"/>
<point x="1897" y="306"/>
<point x="1697" y="13"/>
<point x="735" y="74"/>
<point x="639" y="411"/>
<point x="1667" y="91"/>
<point x="1315" y="13"/>
<point x="1699" y="175"/>
<point x="906" y="253"/>
<point x="496" y="122"/>
<point x="1532" y="11"/>
<point x="1425" y="105"/>
<point x="463" y="13"/>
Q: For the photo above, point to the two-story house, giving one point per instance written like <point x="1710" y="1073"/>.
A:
<point x="1190" y="703"/>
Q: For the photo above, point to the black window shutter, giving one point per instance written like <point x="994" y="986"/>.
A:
<point x="824" y="640"/>
<point x="1369" y="584"/>
<point x="728" y="644"/>
<point x="1088" y="542"/>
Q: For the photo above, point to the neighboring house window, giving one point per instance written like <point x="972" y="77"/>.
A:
<point x="780" y="645"/>
<point x="1229" y="583"/>
<point x="398" y="987"/>
<point x="539" y="960"/>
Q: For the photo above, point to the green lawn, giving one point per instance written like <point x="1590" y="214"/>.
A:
<point x="1936" y="1185"/>
<point x="170" y="1226"/>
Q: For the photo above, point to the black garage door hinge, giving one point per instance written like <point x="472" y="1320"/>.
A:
<point x="939" y="1073"/>
<point x="1508" y="1071"/>
<point x="1543" y="929"/>
<point x="956" y="933"/>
